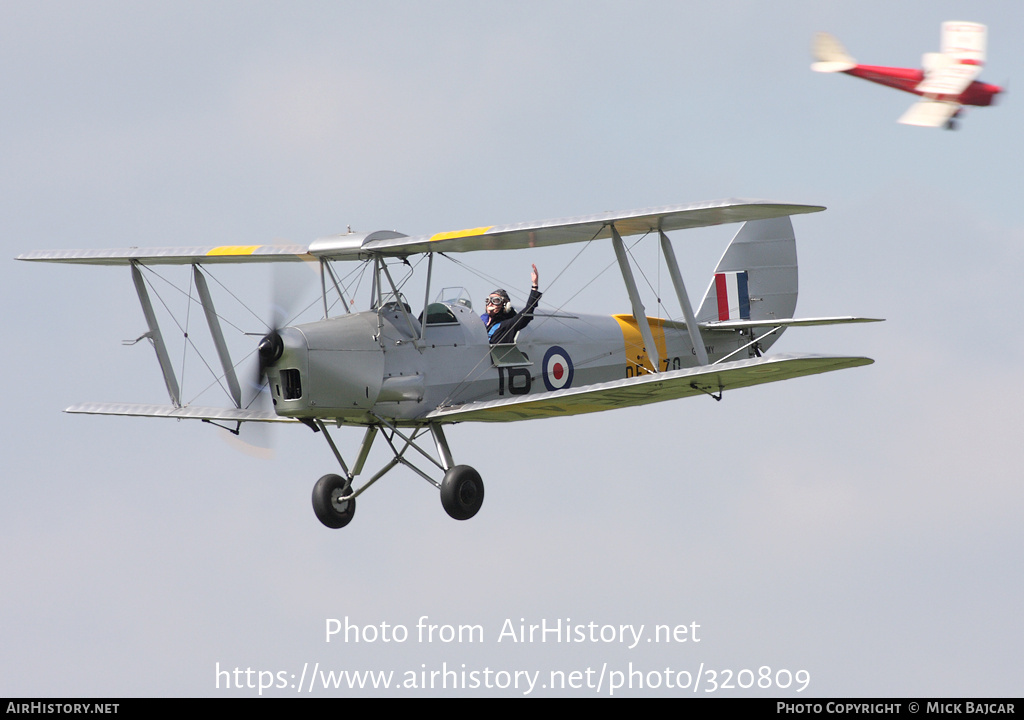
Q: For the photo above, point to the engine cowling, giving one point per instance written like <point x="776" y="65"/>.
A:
<point x="328" y="369"/>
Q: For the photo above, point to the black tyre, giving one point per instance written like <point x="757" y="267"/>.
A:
<point x="330" y="509"/>
<point x="462" y="492"/>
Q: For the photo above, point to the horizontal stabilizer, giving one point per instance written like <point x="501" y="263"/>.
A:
<point x="645" y="389"/>
<point x="832" y="67"/>
<point x="180" y="413"/>
<point x="785" y="322"/>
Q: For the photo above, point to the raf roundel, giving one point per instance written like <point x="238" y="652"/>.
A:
<point x="558" y="369"/>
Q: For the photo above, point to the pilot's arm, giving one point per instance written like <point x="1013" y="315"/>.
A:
<point x="526" y="315"/>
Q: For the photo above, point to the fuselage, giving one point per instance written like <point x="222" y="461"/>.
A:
<point x="363" y="366"/>
<point x="907" y="79"/>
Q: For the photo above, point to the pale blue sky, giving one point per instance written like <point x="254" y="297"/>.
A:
<point x="861" y="525"/>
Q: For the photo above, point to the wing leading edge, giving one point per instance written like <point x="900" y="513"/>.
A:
<point x="648" y="389"/>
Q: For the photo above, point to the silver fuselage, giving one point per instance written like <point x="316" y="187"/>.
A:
<point x="367" y="366"/>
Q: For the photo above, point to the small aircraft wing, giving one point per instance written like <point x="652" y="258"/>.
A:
<point x="961" y="60"/>
<point x="964" y="41"/>
<point x="950" y="80"/>
<point x="930" y="113"/>
<point x="645" y="389"/>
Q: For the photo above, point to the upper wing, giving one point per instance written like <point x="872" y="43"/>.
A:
<point x="961" y="61"/>
<point x="647" y="388"/>
<point x="587" y="227"/>
<point x="353" y="246"/>
<point x="964" y="41"/>
<point x="930" y="113"/>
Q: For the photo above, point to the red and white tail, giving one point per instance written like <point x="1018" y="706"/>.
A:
<point x="831" y="56"/>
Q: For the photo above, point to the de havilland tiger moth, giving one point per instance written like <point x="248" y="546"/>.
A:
<point x="407" y="376"/>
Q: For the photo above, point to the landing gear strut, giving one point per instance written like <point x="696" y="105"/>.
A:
<point x="334" y="496"/>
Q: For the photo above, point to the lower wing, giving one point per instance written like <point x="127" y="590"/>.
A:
<point x="930" y="113"/>
<point x="629" y="392"/>
<point x="187" y="412"/>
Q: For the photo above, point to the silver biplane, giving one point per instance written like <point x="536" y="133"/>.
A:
<point x="405" y="375"/>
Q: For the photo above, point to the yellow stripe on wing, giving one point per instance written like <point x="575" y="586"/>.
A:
<point x="234" y="250"/>
<point x="472" y="232"/>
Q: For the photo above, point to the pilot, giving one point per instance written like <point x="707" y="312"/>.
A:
<point x="501" y="319"/>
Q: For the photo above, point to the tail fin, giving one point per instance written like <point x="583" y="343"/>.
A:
<point x="831" y="56"/>
<point x="756" y="279"/>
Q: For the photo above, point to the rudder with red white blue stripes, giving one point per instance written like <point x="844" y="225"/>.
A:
<point x="756" y="278"/>
<point x="733" y="295"/>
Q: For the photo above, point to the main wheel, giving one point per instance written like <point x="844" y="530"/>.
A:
<point x="462" y="492"/>
<point x="330" y="508"/>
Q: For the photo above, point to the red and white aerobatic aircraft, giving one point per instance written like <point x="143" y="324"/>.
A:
<point x="946" y="82"/>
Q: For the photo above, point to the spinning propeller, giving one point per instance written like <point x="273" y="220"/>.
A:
<point x="286" y="297"/>
<point x="285" y="307"/>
